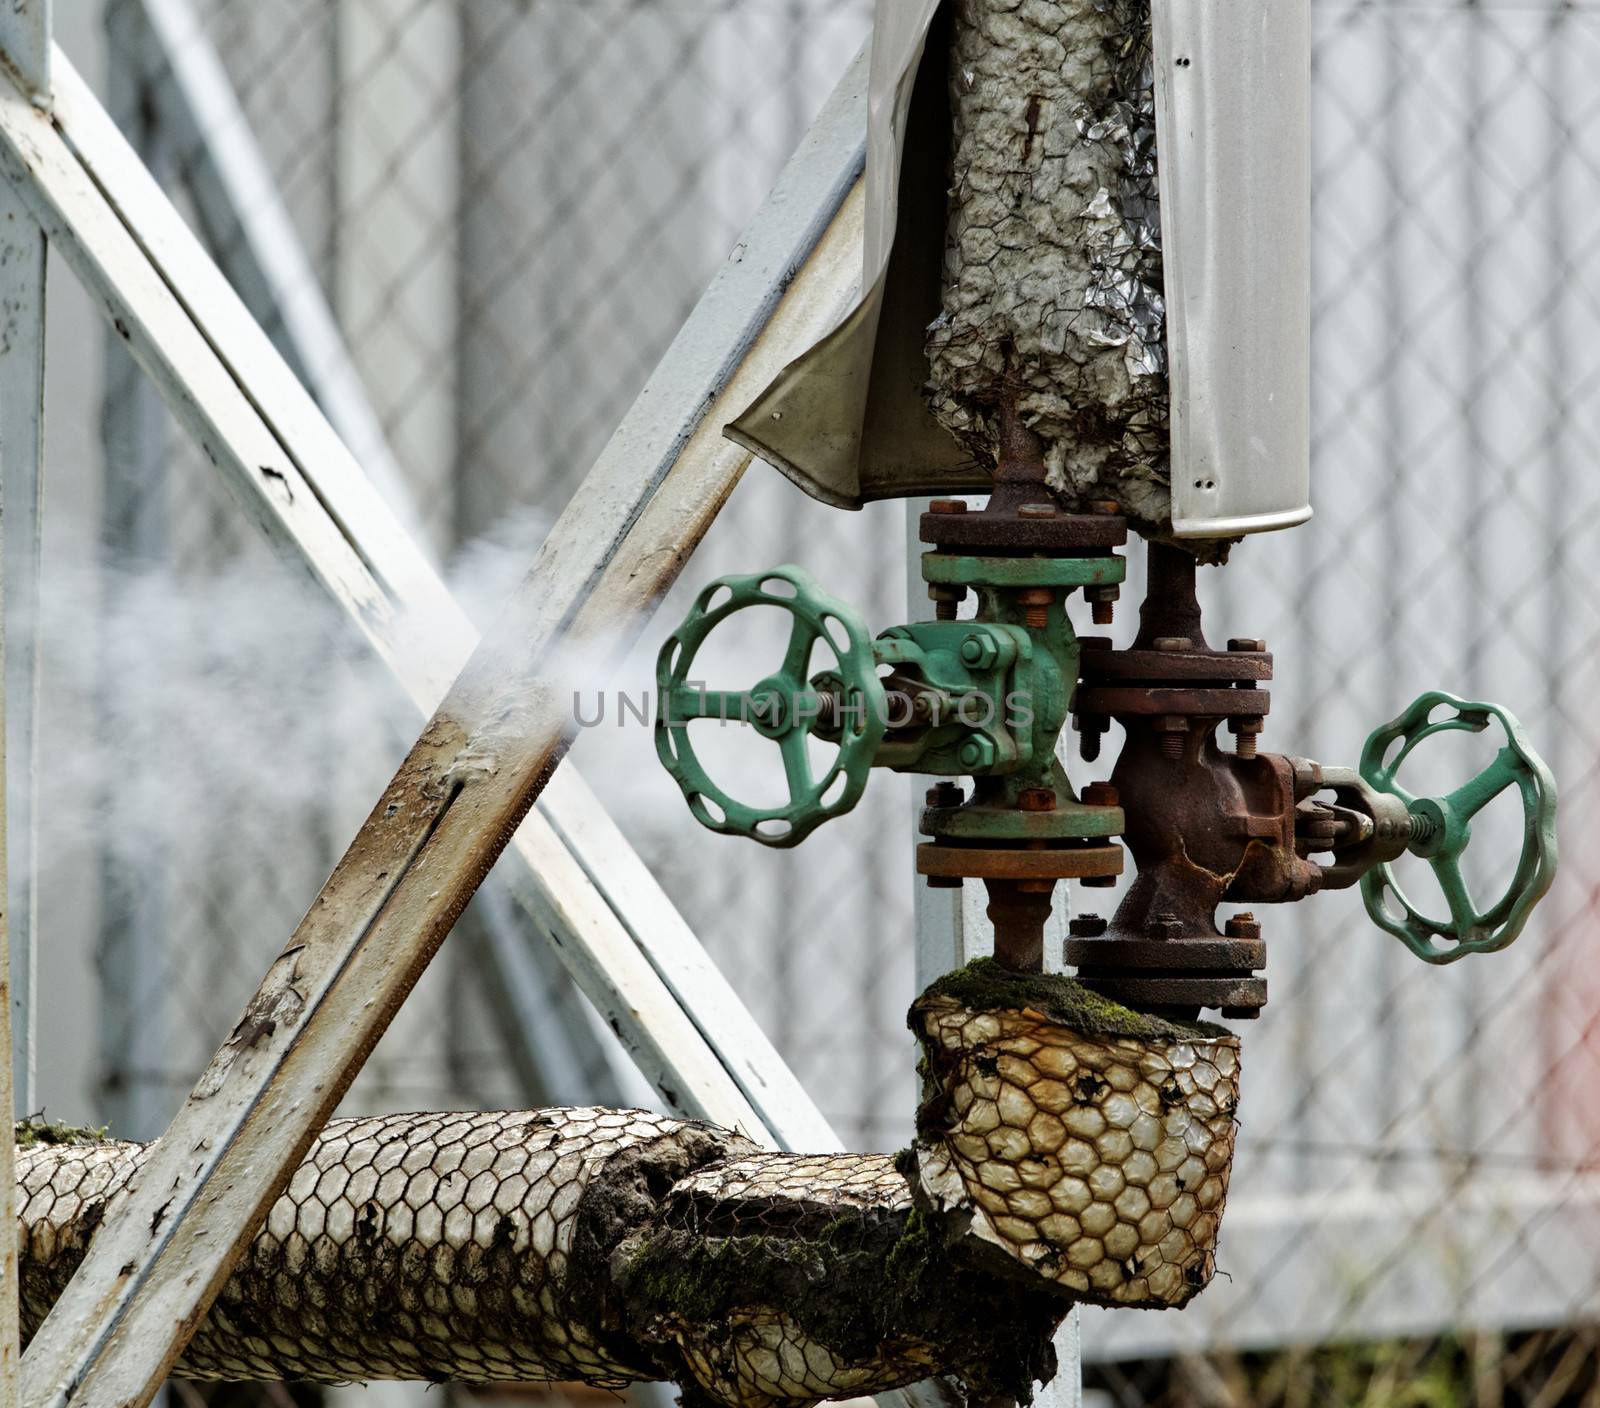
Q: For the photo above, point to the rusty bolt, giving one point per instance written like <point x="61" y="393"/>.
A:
<point x="1105" y="506"/>
<point x="1174" y="731"/>
<point x="1171" y="643"/>
<point x="1243" y="925"/>
<point x="1086" y="926"/>
<point x="1244" y="731"/>
<point x="1037" y="511"/>
<point x="946" y="599"/>
<point x="1098" y="882"/>
<point x="1245" y="643"/>
<point x="1035" y="603"/>
<point x="1091" y="728"/>
<point x="1100" y="794"/>
<point x="1102" y="602"/>
<point x="947" y="506"/>
<point x="946" y="794"/>
<point x="1163" y="926"/>
<point x="1036" y="799"/>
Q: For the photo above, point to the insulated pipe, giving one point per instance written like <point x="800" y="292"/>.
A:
<point x="1067" y="1149"/>
<point x="1052" y="289"/>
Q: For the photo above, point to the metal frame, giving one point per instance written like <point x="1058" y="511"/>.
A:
<point x="186" y="104"/>
<point x="25" y="44"/>
<point x="184" y="322"/>
<point x="488" y="750"/>
<point x="654" y="492"/>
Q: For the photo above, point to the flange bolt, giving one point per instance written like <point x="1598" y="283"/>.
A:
<point x="1100" y="794"/>
<point x="1174" y="731"/>
<point x="1243" y="925"/>
<point x="1245" y="644"/>
<point x="1086" y="926"/>
<point x="1035" y="603"/>
<point x="947" y="506"/>
<point x="1244" y="731"/>
<point x="1102" y="602"/>
<point x="1091" y="728"/>
<point x="946" y="599"/>
<point x="1036" y="799"/>
<point x="946" y="794"/>
<point x="1164" y="926"/>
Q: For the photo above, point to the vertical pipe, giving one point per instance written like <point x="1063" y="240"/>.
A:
<point x="25" y="41"/>
<point x="25" y="28"/>
<point x="951" y="929"/>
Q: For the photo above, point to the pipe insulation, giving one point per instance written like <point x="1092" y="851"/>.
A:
<point x="1052" y="283"/>
<point x="1068" y="1149"/>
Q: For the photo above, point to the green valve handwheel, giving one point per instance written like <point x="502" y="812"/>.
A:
<point x="784" y="706"/>
<point x="1441" y="828"/>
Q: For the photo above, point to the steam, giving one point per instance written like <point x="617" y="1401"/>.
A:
<point x="233" y="708"/>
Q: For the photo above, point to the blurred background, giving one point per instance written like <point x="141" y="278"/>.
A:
<point x="474" y="226"/>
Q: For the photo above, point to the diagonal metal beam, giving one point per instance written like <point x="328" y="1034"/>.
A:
<point x="248" y="226"/>
<point x="488" y="751"/>
<point x="189" y="100"/>
<point x="640" y="965"/>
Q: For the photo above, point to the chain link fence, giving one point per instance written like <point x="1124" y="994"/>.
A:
<point x="508" y="206"/>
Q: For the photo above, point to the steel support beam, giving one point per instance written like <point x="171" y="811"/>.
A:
<point x="247" y="225"/>
<point x="645" y="971"/>
<point x="188" y="101"/>
<point x="456" y="802"/>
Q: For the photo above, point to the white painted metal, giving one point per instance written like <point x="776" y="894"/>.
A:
<point x="22" y="279"/>
<point x="25" y="29"/>
<point x="1233" y="85"/>
<point x="25" y="44"/>
<point x="163" y="1252"/>
<point x="396" y="204"/>
<point x="186" y="99"/>
<point x="343" y="535"/>
<point x="161" y="332"/>
<point x="248" y="225"/>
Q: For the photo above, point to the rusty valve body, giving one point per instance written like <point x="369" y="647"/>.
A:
<point x="1203" y="825"/>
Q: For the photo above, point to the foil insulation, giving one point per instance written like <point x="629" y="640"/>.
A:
<point x="1052" y="288"/>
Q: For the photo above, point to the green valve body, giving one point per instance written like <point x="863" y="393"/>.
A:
<point x="988" y="697"/>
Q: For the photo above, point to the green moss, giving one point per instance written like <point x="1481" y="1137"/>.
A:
<point x="985" y="986"/>
<point x="861" y="1285"/>
<point x="34" y="1131"/>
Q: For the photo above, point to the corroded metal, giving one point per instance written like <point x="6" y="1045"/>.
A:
<point x="1206" y="826"/>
